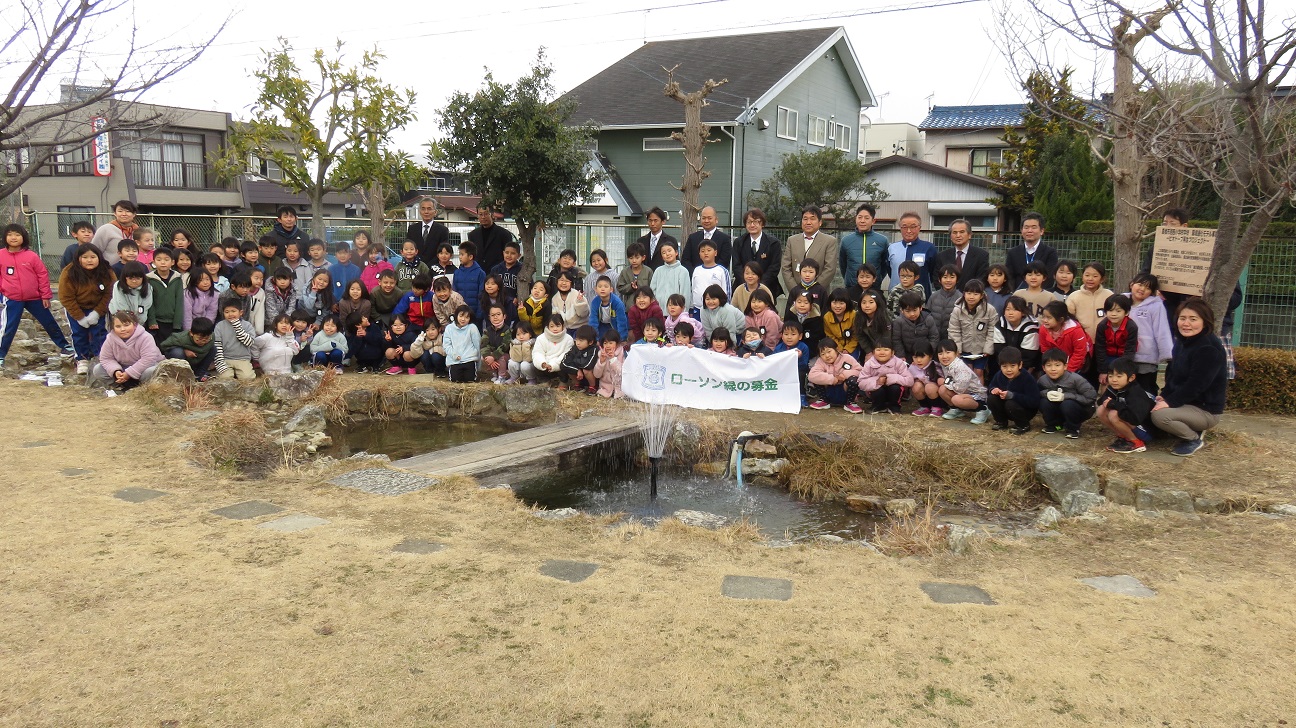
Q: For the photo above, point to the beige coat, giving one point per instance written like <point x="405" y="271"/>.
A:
<point x="824" y="249"/>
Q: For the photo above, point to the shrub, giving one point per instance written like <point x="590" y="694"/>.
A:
<point x="1263" y="383"/>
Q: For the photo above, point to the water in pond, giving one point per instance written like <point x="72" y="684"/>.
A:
<point x="406" y="438"/>
<point x="620" y="485"/>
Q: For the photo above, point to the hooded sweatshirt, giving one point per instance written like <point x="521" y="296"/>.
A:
<point x="369" y="276"/>
<point x="199" y="304"/>
<point x="133" y="355"/>
<point x="1155" y="341"/>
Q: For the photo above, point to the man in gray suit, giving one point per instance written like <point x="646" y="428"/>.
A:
<point x="810" y="243"/>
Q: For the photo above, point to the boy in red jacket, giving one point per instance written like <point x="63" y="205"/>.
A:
<point x="24" y="286"/>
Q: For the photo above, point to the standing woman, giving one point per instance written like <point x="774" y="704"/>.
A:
<point x="1196" y="381"/>
<point x="85" y="287"/>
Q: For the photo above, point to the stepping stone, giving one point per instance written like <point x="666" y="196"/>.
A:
<point x="418" y="546"/>
<point x="1123" y="584"/>
<point x="247" y="509"/>
<point x="137" y="495"/>
<point x="381" y="481"/>
<point x="756" y="587"/>
<point x="295" y="522"/>
<point x="37" y="443"/>
<point x="74" y="472"/>
<point x="943" y="593"/>
<point x="570" y="571"/>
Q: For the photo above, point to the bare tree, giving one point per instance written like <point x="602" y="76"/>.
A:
<point x="66" y="40"/>
<point x="694" y="137"/>
<point x="1207" y="80"/>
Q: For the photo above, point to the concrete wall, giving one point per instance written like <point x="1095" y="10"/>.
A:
<point x="883" y="138"/>
<point x="649" y="175"/>
<point x="952" y="149"/>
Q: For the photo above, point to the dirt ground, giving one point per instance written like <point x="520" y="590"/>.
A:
<point x="163" y="614"/>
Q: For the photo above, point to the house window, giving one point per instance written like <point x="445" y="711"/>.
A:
<point x="662" y="144"/>
<point x="843" y="137"/>
<point x="979" y="222"/>
<point x="872" y="155"/>
<point x="69" y="214"/>
<point x="787" y="123"/>
<point x="432" y="183"/>
<point x="267" y="168"/>
<point x="818" y="131"/>
<point x="168" y="159"/>
<point x="981" y="160"/>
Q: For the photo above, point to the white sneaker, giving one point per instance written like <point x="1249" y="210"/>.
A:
<point x="83" y="366"/>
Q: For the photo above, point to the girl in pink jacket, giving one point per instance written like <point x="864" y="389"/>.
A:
<point x="24" y="286"/>
<point x="374" y="268"/>
<point x="608" y="367"/>
<point x="884" y="377"/>
<point x="129" y="356"/>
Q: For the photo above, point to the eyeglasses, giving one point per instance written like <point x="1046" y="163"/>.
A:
<point x="910" y="227"/>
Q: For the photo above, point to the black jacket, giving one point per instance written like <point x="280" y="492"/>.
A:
<point x="579" y="359"/>
<point x="1198" y="373"/>
<point x="976" y="264"/>
<point x="654" y="256"/>
<point x="1015" y="262"/>
<point x="490" y="244"/>
<point x="724" y="249"/>
<point x="769" y="256"/>
<point x="427" y="246"/>
<point x="1132" y="403"/>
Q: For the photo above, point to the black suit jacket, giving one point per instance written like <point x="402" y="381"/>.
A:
<point x="655" y="259"/>
<point x="724" y="249"/>
<point x="769" y="256"/>
<point x="427" y="246"/>
<point x="976" y="264"/>
<point x="1016" y="263"/>
<point x="490" y="244"/>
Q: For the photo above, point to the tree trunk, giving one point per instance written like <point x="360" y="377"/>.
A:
<point x="694" y="138"/>
<point x="530" y="254"/>
<point x="317" y="214"/>
<point x="1128" y="167"/>
<point x="376" y="201"/>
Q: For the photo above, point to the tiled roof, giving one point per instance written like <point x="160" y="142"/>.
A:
<point x="629" y="92"/>
<point x="991" y="116"/>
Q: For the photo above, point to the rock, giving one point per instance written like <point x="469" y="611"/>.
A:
<point x="1078" y="502"/>
<point x="477" y="401"/>
<point x="174" y="370"/>
<point x="825" y="439"/>
<point x="901" y="507"/>
<point x="390" y="403"/>
<point x="962" y="539"/>
<point x="522" y="404"/>
<point x="1093" y="517"/>
<point x="765" y="481"/>
<point x="1282" y="509"/>
<point x="1164" y="499"/>
<point x="862" y="544"/>
<point x="1034" y="533"/>
<point x="557" y="514"/>
<point x="700" y="519"/>
<point x="761" y="466"/>
<point x="1122" y="584"/>
<point x="223" y="391"/>
<point x="294" y="387"/>
<point x="1121" y="491"/>
<point x="779" y="543"/>
<point x="830" y="538"/>
<point x="1048" y="518"/>
<point x="1150" y="514"/>
<point x="685" y="436"/>
<point x="428" y="402"/>
<point x="1210" y="504"/>
<point x="1062" y="474"/>
<point x="874" y="505"/>
<point x="174" y="401"/>
<point x="709" y="468"/>
<point x="307" y="419"/>
<point x="759" y="449"/>
<point x="358" y="400"/>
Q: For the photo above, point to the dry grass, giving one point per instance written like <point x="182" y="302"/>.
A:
<point x="913" y="535"/>
<point x="237" y="439"/>
<point x="905" y="465"/>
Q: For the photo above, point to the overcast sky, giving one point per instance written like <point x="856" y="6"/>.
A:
<point x="911" y="52"/>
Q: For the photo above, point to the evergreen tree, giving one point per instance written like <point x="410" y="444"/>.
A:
<point x="1071" y="184"/>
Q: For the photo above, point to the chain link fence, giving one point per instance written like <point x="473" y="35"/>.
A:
<point x="1265" y="319"/>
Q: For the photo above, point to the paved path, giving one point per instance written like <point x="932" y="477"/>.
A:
<point x="501" y="456"/>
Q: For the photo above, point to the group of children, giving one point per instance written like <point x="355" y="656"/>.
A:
<point x="984" y="350"/>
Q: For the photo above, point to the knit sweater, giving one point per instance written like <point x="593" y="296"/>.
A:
<point x="726" y="316"/>
<point x="973" y="331"/>
<point x="671" y="278"/>
<point x="384" y="303"/>
<point x="742" y="296"/>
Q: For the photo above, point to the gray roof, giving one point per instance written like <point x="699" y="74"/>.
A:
<point x="629" y="92"/>
<point x="989" y="116"/>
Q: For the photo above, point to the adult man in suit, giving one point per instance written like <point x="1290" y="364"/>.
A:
<point x="811" y="242"/>
<point x="971" y="262"/>
<point x="652" y="241"/>
<point x="723" y="243"/>
<point x="428" y="234"/>
<point x="913" y="248"/>
<point x="489" y="238"/>
<point x="1031" y="250"/>
<point x="760" y="247"/>
<point x="863" y="246"/>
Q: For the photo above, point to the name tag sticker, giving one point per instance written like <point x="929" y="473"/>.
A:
<point x="845" y="366"/>
<point x="920" y="258"/>
<point x="9" y="270"/>
<point x="981" y="326"/>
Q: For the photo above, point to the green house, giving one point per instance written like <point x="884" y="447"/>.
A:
<point x="786" y="91"/>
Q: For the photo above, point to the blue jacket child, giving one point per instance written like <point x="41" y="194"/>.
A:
<point x="469" y="280"/>
<point x="343" y="275"/>
<point x="610" y="314"/>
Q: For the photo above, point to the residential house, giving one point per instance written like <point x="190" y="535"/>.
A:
<point x="785" y="91"/>
<point x="968" y="138"/>
<point x="938" y="194"/>
<point x="885" y="139"/>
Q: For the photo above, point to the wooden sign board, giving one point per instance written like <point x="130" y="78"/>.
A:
<point x="1181" y="258"/>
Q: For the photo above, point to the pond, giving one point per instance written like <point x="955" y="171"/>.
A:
<point x="406" y="438"/>
<point x="620" y="485"/>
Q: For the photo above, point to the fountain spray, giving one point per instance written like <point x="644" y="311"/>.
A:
<point x="656" y="421"/>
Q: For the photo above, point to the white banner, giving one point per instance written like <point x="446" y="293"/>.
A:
<point x="99" y="148"/>
<point x="703" y="379"/>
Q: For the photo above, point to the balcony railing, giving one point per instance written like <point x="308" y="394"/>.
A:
<point x="169" y="175"/>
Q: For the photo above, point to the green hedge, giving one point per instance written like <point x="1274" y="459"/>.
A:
<point x="1264" y="381"/>
<point x="1275" y="229"/>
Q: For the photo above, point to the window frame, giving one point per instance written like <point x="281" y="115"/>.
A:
<point x="787" y="117"/>
<point x="972" y="160"/>
<point x="812" y="122"/>
<point x="679" y="146"/>
<point x="843" y="133"/>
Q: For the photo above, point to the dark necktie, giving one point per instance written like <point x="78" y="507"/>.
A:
<point x="958" y="261"/>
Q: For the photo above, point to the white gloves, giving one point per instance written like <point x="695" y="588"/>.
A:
<point x="89" y="320"/>
<point x="1056" y="395"/>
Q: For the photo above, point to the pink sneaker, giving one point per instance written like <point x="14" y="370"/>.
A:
<point x="922" y="412"/>
<point x="936" y="412"/>
<point x="411" y="370"/>
<point x="395" y="370"/>
<point x="819" y="404"/>
<point x="853" y="408"/>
